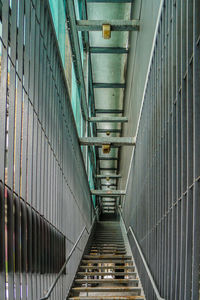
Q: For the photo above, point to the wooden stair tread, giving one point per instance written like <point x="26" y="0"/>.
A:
<point x="112" y="261"/>
<point x="107" y="297"/>
<point x="107" y="289"/>
<point x="106" y="256"/>
<point x="107" y="273"/>
<point x="107" y="267"/>
<point x="107" y="280"/>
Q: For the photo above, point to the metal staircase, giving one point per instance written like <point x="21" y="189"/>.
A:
<point x="107" y="272"/>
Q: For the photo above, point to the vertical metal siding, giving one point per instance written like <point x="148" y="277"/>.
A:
<point x="44" y="193"/>
<point x="162" y="202"/>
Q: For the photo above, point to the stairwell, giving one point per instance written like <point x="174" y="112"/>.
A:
<point x="106" y="271"/>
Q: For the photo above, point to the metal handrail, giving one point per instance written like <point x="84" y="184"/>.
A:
<point x="143" y="260"/>
<point x="65" y="263"/>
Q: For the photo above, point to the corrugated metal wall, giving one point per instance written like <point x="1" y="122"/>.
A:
<point x="45" y="198"/>
<point x="162" y="204"/>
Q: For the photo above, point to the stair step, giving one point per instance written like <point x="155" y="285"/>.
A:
<point x="107" y="297"/>
<point x="110" y="289"/>
<point x="107" y="280"/>
<point x="108" y="244"/>
<point x="106" y="256"/>
<point x="108" y="248"/>
<point x="108" y="235"/>
<point x="110" y="261"/>
<point x="108" y="252"/>
<point x="107" y="273"/>
<point x="109" y="239"/>
<point x="99" y="275"/>
<point x="108" y="267"/>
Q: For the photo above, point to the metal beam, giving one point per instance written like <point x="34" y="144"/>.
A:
<point x="98" y="85"/>
<point x="108" y="119"/>
<point x="112" y="146"/>
<point x="110" y="130"/>
<point x="108" y="169"/>
<point x="108" y="192"/>
<point x="74" y="40"/>
<point x="108" y="185"/>
<point x="116" y="25"/>
<point x="114" y="141"/>
<point x="102" y="176"/>
<point x="109" y="1"/>
<point x="107" y="158"/>
<point x="110" y="196"/>
<point x="109" y="111"/>
<point x="108" y="50"/>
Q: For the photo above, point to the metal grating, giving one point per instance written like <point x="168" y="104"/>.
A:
<point x="162" y="203"/>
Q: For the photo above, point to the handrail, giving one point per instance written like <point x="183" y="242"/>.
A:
<point x="143" y="260"/>
<point x="65" y="263"/>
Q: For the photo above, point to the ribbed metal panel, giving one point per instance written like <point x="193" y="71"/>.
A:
<point x="44" y="195"/>
<point x="162" y="203"/>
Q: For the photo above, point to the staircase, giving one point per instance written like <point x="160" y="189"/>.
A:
<point x="107" y="272"/>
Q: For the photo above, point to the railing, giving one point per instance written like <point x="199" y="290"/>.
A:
<point x="48" y="294"/>
<point x="143" y="260"/>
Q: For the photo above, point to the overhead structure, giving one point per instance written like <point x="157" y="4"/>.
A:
<point x="113" y="193"/>
<point x="107" y="85"/>
<point x="103" y="176"/>
<point x="113" y="141"/>
<point x="116" y="25"/>
<point x="108" y="50"/>
<point x="108" y="59"/>
<point x="108" y="119"/>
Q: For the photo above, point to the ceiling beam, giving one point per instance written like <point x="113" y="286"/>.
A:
<point x="114" y="141"/>
<point x="110" y="130"/>
<point x="108" y="50"/>
<point x="102" y="176"/>
<point x="108" y="169"/>
<point x="112" y="146"/>
<point x="109" y="111"/>
<point x="107" y="158"/>
<point x="74" y="39"/>
<point x="109" y="1"/>
<point x="116" y="25"/>
<point x="108" y="119"/>
<point x="98" y="85"/>
<point x="108" y="192"/>
<point x="108" y="185"/>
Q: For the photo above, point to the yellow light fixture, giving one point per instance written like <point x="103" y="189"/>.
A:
<point x="106" y="149"/>
<point x="106" y="31"/>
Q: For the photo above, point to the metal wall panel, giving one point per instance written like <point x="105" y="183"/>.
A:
<point x="162" y="203"/>
<point x="44" y="194"/>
